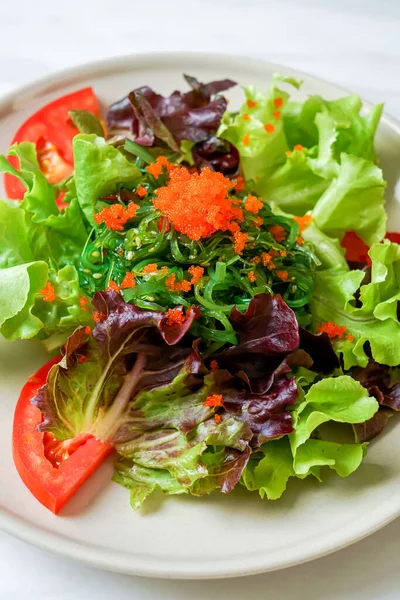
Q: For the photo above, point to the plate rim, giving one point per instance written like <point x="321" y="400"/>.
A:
<point x="113" y="560"/>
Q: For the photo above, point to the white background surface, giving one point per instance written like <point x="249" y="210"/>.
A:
<point x="352" y="42"/>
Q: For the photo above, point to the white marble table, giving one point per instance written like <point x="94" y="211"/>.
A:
<point x="352" y="42"/>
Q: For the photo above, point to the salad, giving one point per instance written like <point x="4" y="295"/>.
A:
<point x="216" y="290"/>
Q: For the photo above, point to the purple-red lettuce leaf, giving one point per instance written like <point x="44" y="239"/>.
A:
<point x="218" y="155"/>
<point x="89" y="390"/>
<point x="145" y="115"/>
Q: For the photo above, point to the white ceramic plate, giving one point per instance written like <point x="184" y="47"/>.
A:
<point x="183" y="537"/>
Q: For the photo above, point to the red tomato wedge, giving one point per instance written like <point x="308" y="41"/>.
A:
<point x="357" y="250"/>
<point x="52" y="130"/>
<point x="53" y="471"/>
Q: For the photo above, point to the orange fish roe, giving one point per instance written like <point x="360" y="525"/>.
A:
<point x="332" y="329"/>
<point x="246" y="139"/>
<point x="258" y="221"/>
<point x="197" y="204"/>
<point x="245" y="117"/>
<point x="266" y="258"/>
<point x="271" y="266"/>
<point x="112" y="287"/>
<point x="251" y="103"/>
<point x="83" y="302"/>
<point x="299" y="241"/>
<point x="98" y="316"/>
<point x="156" y="168"/>
<point x="196" y="273"/>
<point x="298" y="147"/>
<point x="177" y="286"/>
<point x="284" y="275"/>
<point x="151" y="268"/>
<point x="88" y="330"/>
<point x="240" y="184"/>
<point x="239" y="241"/>
<point x="214" y="366"/>
<point x="175" y="316"/>
<point x="253" y="204"/>
<point x="252" y="276"/>
<point x="277" y="115"/>
<point x="278" y="232"/>
<point x="303" y="222"/>
<point x="141" y="191"/>
<point x="256" y="260"/>
<point x="115" y="216"/>
<point x="128" y="281"/>
<point x="164" y="270"/>
<point x="269" y="128"/>
<point x="214" y="400"/>
<point x="48" y="292"/>
<point x="273" y="253"/>
<point x="278" y="102"/>
<point x="288" y="153"/>
<point x="350" y="337"/>
<point x="217" y="419"/>
<point x="283" y="253"/>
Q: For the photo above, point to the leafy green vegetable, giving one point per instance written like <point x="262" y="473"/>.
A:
<point x="100" y="169"/>
<point x="86" y="122"/>
<point x="375" y="321"/>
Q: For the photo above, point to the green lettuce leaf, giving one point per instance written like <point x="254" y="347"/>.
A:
<point x="375" y="321"/>
<point x="100" y="169"/>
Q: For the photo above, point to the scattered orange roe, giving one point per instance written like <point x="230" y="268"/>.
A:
<point x="164" y="270"/>
<point x="88" y="330"/>
<point x="98" y="316"/>
<point x="258" y="221"/>
<point x="252" y="276"/>
<point x="214" y="400"/>
<point x="271" y="266"/>
<point x="163" y="225"/>
<point x="240" y="184"/>
<point x="253" y="204"/>
<point x="298" y="147"/>
<point x="246" y="139"/>
<point x="277" y="115"/>
<point x="83" y="302"/>
<point x="151" y="268"/>
<point x="197" y="204"/>
<point x="284" y="275"/>
<point x="251" y="103"/>
<point x="175" y="316"/>
<point x="48" y="292"/>
<point x="239" y="241"/>
<point x="141" y="191"/>
<point x="266" y="258"/>
<point x="112" y="287"/>
<point x="115" y="216"/>
<point x="156" y="168"/>
<point x="350" y="337"/>
<point x="288" y="153"/>
<point x="273" y="253"/>
<point x="278" y="232"/>
<point x="256" y="260"/>
<point x="332" y="329"/>
<point x="246" y="117"/>
<point x="283" y="253"/>
<point x="299" y="241"/>
<point x="278" y="102"/>
<point x="177" y="286"/>
<point x="214" y="366"/>
<point x="269" y="128"/>
<point x="217" y="418"/>
<point x="196" y="273"/>
<point x="303" y="222"/>
<point x="128" y="281"/>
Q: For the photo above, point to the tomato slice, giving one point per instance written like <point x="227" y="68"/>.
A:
<point x="393" y="237"/>
<point x="356" y="249"/>
<point x="52" y="130"/>
<point x="51" y="470"/>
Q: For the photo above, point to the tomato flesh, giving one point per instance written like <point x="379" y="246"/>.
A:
<point x="52" y="130"/>
<point x="53" y="482"/>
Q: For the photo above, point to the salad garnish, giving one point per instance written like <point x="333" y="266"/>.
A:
<point x="218" y="285"/>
